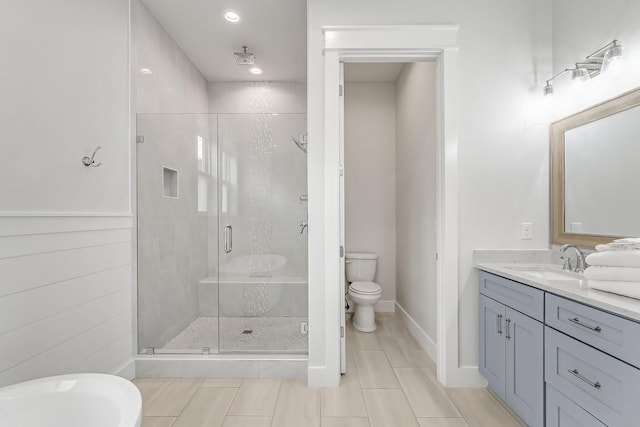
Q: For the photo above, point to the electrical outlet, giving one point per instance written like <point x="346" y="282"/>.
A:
<point x="576" y="227"/>
<point x="527" y="231"/>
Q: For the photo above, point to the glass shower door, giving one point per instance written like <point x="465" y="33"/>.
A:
<point x="262" y="182"/>
<point x="177" y="233"/>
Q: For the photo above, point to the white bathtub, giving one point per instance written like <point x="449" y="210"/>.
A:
<point x="78" y="400"/>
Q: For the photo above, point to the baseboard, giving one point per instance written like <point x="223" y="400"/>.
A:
<point x="425" y="341"/>
<point x="126" y="370"/>
<point x="466" y="376"/>
<point x="386" y="306"/>
<point x="321" y="376"/>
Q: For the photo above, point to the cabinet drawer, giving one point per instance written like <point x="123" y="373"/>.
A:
<point x="610" y="333"/>
<point x="601" y="384"/>
<point x="562" y="412"/>
<point x="523" y="298"/>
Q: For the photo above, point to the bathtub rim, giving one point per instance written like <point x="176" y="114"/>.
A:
<point x="126" y="397"/>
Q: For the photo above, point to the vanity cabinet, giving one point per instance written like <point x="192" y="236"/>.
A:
<point x="580" y="345"/>
<point x="511" y="345"/>
<point x="557" y="362"/>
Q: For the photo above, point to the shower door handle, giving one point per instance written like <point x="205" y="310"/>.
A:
<point x="228" y="239"/>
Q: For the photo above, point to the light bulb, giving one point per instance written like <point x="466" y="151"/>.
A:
<point x="231" y="16"/>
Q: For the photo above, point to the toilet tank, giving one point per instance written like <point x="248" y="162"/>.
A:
<point x="360" y="267"/>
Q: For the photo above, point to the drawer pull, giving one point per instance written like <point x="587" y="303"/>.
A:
<point x="579" y="323"/>
<point x="575" y="373"/>
<point x="499" y="323"/>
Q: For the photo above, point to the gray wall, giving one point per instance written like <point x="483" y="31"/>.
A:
<point x="416" y="195"/>
<point x="370" y="177"/>
<point x="172" y="234"/>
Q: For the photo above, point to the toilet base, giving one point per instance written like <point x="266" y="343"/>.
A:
<point x="364" y="318"/>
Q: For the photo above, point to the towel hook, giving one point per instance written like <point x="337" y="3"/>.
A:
<point x="88" y="161"/>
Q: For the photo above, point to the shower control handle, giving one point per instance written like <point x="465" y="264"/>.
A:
<point x="228" y="239"/>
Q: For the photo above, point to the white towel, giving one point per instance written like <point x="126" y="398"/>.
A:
<point x="627" y="289"/>
<point x="625" y="274"/>
<point x="630" y="258"/>
<point x="629" y="243"/>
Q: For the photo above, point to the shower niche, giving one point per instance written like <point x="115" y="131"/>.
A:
<point x="169" y="182"/>
<point x="222" y="264"/>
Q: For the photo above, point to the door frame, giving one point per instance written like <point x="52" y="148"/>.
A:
<point x="412" y="43"/>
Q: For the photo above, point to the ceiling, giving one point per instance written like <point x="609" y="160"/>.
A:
<point x="274" y="30"/>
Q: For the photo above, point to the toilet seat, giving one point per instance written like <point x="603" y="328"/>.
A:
<point x="365" y="288"/>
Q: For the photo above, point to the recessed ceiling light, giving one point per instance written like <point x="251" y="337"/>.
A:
<point x="146" y="71"/>
<point x="231" y="16"/>
<point x="255" y="70"/>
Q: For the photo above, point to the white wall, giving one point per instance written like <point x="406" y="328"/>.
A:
<point x="370" y="177"/>
<point x="616" y="19"/>
<point x="504" y="58"/>
<point x="64" y="92"/>
<point x="416" y="196"/>
<point x="65" y="302"/>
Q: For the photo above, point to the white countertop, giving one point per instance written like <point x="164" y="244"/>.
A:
<point x="576" y="290"/>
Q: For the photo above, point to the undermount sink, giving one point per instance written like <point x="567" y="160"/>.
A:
<point x="547" y="272"/>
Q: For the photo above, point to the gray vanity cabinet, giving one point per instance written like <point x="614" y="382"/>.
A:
<point x="493" y="345"/>
<point x="580" y="345"/>
<point x="511" y="348"/>
<point x="586" y="360"/>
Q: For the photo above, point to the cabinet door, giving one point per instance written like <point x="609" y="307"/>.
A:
<point x="525" y="367"/>
<point x="492" y="344"/>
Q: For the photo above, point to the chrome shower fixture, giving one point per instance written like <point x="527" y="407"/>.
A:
<point x="302" y="142"/>
<point x="245" y="57"/>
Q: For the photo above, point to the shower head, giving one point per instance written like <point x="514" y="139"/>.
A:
<point x="245" y="57"/>
<point x="302" y="142"/>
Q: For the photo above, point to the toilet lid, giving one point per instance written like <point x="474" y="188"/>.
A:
<point x="365" y="287"/>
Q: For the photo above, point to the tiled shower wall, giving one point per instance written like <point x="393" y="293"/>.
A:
<point x="172" y="232"/>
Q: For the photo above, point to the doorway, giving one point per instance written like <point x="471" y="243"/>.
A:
<point x="381" y="44"/>
<point x="388" y="188"/>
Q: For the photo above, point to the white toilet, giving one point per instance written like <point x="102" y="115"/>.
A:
<point x="363" y="291"/>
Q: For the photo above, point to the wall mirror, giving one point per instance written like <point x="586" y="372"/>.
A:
<point x="595" y="173"/>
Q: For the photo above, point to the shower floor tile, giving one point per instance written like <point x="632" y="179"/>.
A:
<point x="255" y="334"/>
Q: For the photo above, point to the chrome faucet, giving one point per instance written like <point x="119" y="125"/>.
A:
<point x="580" y="262"/>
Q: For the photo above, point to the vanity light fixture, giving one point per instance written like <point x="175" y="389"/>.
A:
<point x="594" y="64"/>
<point x="580" y="74"/>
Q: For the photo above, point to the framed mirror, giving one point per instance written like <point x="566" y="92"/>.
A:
<point x="595" y="173"/>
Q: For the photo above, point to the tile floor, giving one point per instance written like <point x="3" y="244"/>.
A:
<point x="390" y="382"/>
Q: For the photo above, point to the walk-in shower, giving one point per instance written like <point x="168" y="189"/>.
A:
<point x="222" y="264"/>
